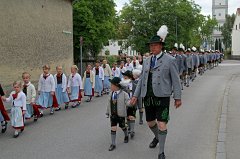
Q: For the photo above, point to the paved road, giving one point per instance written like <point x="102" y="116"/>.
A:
<point x="84" y="133"/>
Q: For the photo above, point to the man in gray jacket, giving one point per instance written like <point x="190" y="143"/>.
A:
<point x="196" y="63"/>
<point x="183" y="75"/>
<point x="159" y="79"/>
<point x="189" y="65"/>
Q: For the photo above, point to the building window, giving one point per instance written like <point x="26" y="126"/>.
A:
<point x="239" y="25"/>
<point x="120" y="43"/>
<point x="236" y="27"/>
<point x="219" y="14"/>
<point x="220" y="4"/>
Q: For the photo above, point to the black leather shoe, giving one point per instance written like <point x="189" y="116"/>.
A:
<point x="112" y="147"/>
<point x="154" y="143"/>
<point x="126" y="139"/>
<point x="41" y="115"/>
<point x="66" y="106"/>
<point x="58" y="109"/>
<point x="161" y="156"/>
<point x="4" y="127"/>
<point x="16" y="135"/>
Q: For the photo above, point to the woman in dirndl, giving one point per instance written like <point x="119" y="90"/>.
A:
<point x="4" y="118"/>
<point x="61" y="88"/>
<point x="107" y="75"/>
<point x="99" y="78"/>
<point x="75" y="85"/>
<point x="46" y="91"/>
<point x="18" y="99"/>
<point x="88" y="83"/>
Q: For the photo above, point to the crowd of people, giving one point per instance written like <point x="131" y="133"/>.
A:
<point x="119" y="81"/>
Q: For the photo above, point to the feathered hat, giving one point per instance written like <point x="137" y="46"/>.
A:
<point x="161" y="35"/>
<point x="188" y="50"/>
<point x="194" y="49"/>
<point x="175" y="47"/>
<point x="182" y="47"/>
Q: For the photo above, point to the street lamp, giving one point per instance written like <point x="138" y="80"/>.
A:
<point x="176" y="28"/>
<point x="81" y="44"/>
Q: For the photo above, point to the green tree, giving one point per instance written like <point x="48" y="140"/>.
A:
<point x="95" y="21"/>
<point x="227" y="30"/>
<point x="207" y="26"/>
<point x="141" y="19"/>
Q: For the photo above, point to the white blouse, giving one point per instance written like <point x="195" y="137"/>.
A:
<point x="129" y="67"/>
<point x="137" y="64"/>
<point x="123" y="70"/>
<point x="20" y="101"/>
<point x="101" y="72"/>
<point x="46" y="85"/>
<point x="116" y="73"/>
<point x="75" y="81"/>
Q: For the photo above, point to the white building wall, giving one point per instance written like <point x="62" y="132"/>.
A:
<point x="220" y="14"/>
<point x="236" y="35"/>
<point x="220" y="2"/>
<point x="114" y="49"/>
<point x="219" y="11"/>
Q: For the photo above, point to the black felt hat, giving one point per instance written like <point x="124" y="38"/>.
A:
<point x="116" y="81"/>
<point x="128" y="74"/>
<point x="155" y="39"/>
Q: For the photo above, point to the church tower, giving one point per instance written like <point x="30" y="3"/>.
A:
<point x="219" y="11"/>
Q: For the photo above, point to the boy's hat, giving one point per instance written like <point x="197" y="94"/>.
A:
<point x="116" y="81"/>
<point x="128" y="74"/>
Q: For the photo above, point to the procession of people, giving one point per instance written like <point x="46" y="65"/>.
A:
<point x="143" y="83"/>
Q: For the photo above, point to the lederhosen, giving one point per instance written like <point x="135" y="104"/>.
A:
<point x="115" y="119"/>
<point x="155" y="107"/>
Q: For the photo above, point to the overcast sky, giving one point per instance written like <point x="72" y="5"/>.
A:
<point x="205" y="4"/>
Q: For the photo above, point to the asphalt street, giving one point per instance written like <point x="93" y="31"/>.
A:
<point x="84" y="132"/>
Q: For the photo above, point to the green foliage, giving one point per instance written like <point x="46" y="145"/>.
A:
<point x="107" y="52"/>
<point x="95" y="21"/>
<point x="111" y="59"/>
<point x="141" y="19"/>
<point x="227" y="30"/>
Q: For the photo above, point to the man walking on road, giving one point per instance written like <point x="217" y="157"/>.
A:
<point x="158" y="80"/>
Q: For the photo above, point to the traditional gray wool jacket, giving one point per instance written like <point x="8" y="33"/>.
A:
<point x="165" y="78"/>
<point x="123" y="101"/>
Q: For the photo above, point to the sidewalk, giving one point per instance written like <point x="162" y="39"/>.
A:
<point x="233" y="120"/>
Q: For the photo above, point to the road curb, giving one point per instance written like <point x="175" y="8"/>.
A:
<point x="222" y="130"/>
